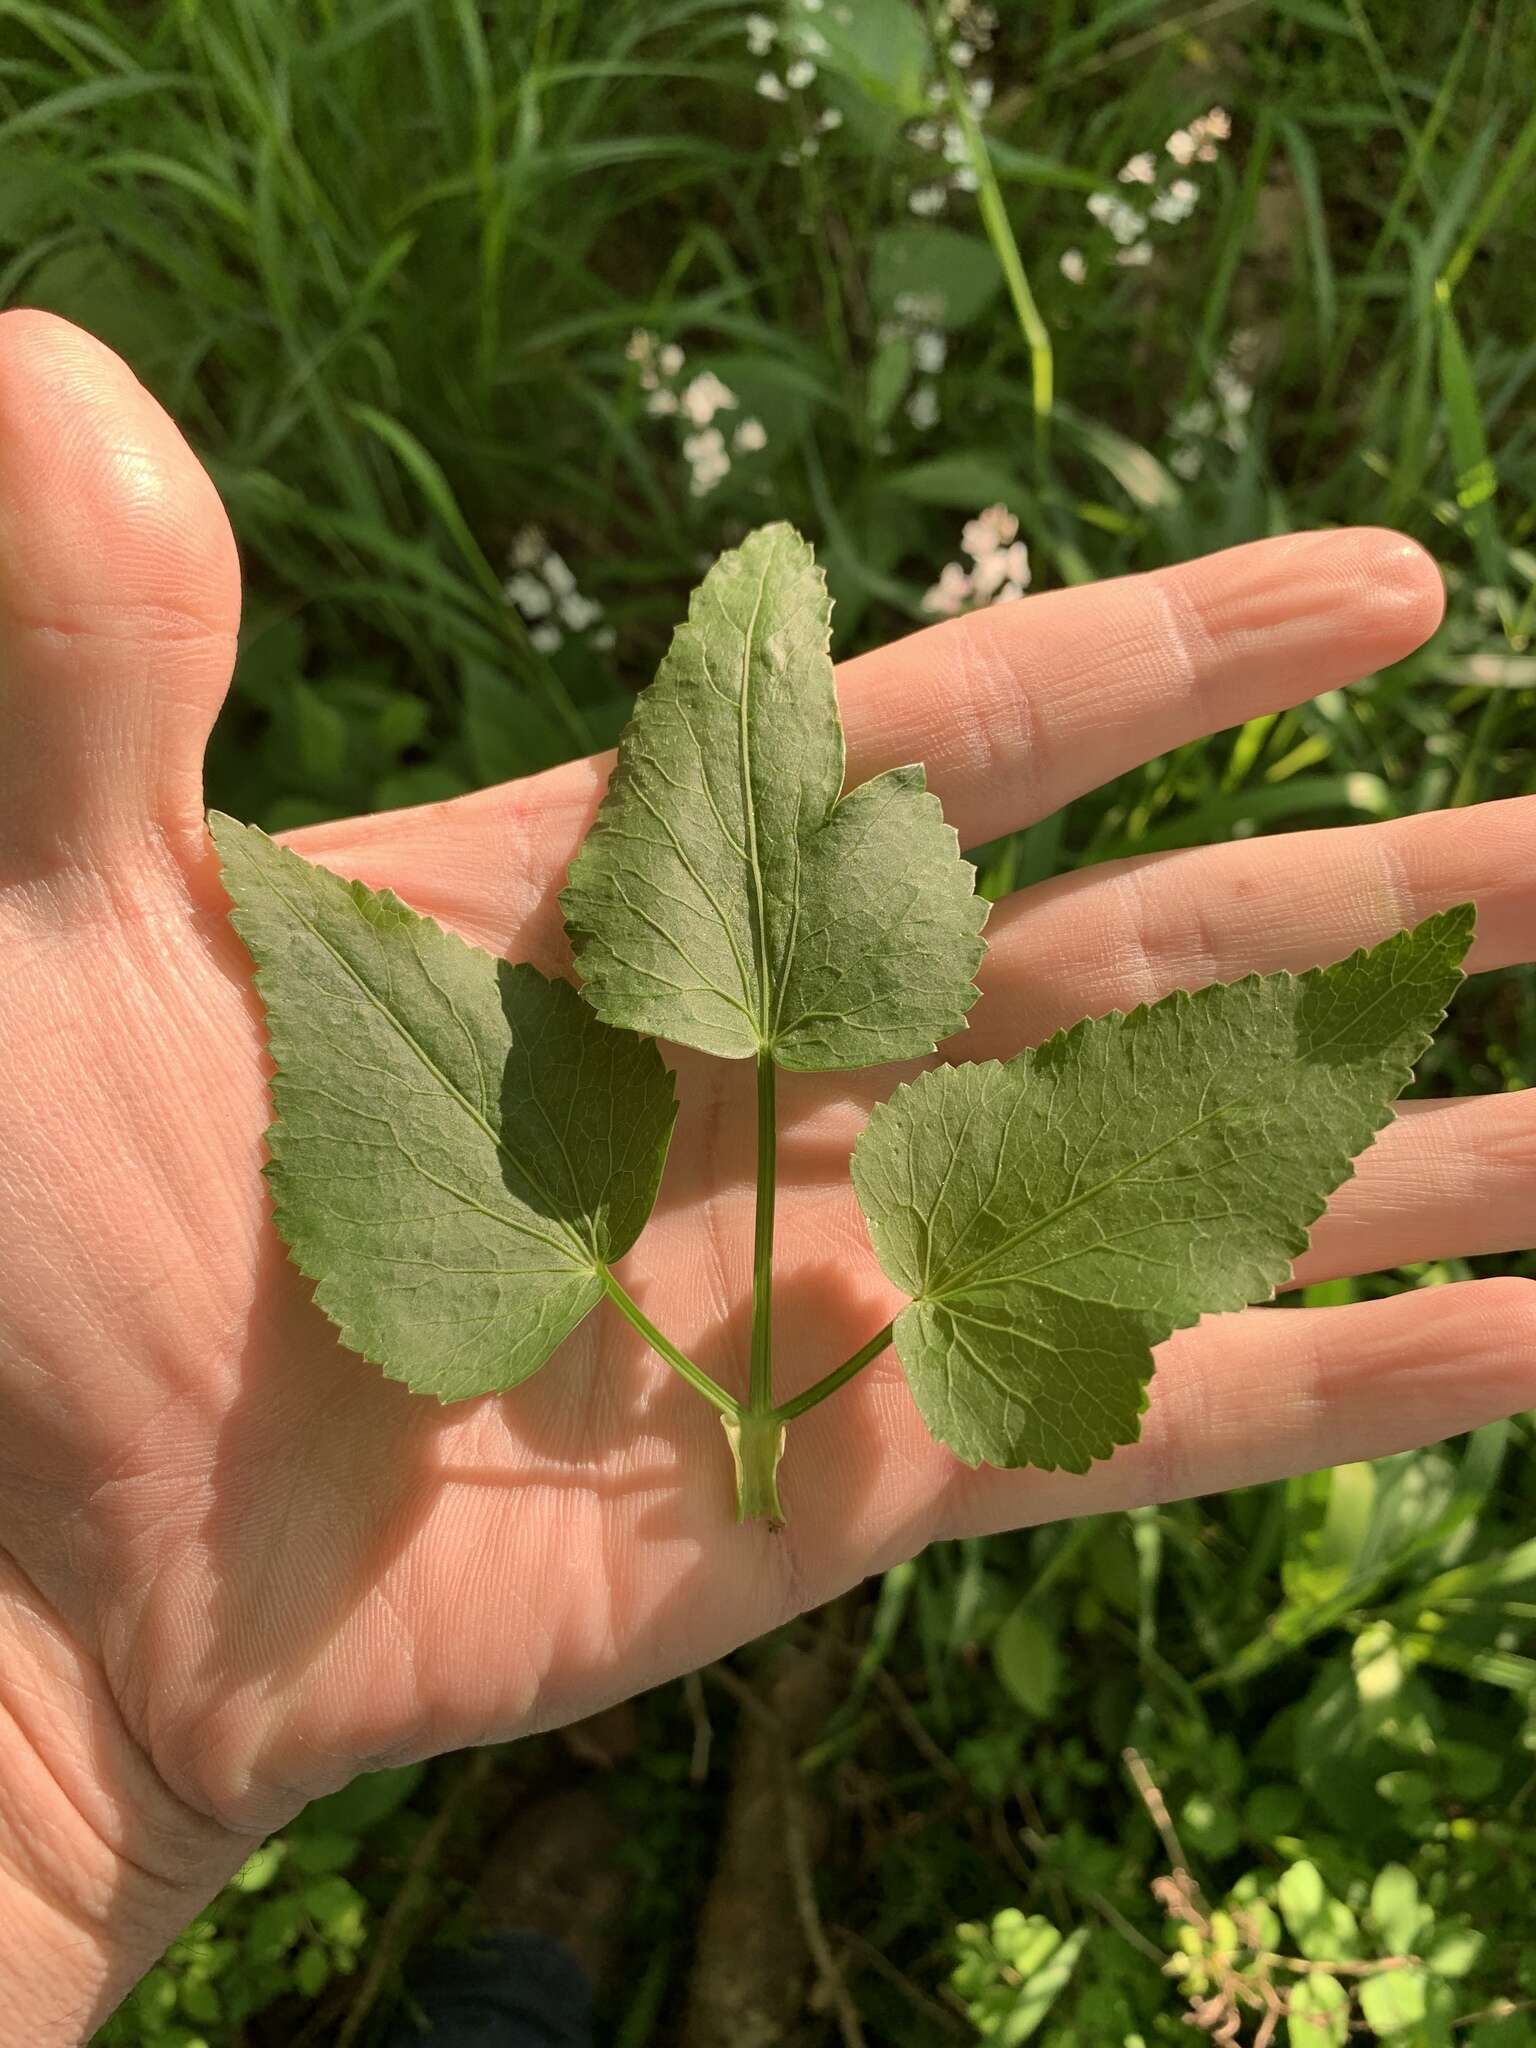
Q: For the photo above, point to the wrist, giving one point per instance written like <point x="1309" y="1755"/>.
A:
<point x="67" y="1963"/>
<point x="101" y="1866"/>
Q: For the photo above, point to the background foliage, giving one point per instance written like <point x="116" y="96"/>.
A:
<point x="383" y="259"/>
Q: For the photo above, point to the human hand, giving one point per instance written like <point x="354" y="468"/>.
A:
<point x="236" y="1564"/>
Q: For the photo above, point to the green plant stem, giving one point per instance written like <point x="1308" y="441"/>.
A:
<point x="680" y="1363"/>
<point x="760" y="1389"/>
<point x="994" y="217"/>
<point x="815" y="1394"/>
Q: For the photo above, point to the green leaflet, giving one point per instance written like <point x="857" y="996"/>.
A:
<point x="727" y="897"/>
<point x="461" y="1147"/>
<point x="1056" y="1216"/>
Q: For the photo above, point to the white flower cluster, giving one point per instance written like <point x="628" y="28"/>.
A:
<point x="916" y="318"/>
<point x="971" y="28"/>
<point x="999" y="568"/>
<point x="1172" y="198"/>
<point x="544" y="591"/>
<point x="796" y="44"/>
<point x="695" y="404"/>
<point x="1220" y="419"/>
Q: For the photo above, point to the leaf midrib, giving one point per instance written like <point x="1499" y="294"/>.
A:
<point x="749" y="809"/>
<point x="1066" y="1208"/>
<point x="1011" y="1244"/>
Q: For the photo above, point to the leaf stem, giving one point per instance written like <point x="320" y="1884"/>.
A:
<point x="815" y="1394"/>
<point x="994" y="218"/>
<point x="760" y="1392"/>
<point x="680" y="1363"/>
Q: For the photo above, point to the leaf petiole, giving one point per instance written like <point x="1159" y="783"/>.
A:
<point x="760" y="1393"/>
<point x="829" y="1383"/>
<point x="680" y="1363"/>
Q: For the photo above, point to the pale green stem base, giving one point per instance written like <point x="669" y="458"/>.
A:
<point x="757" y="1444"/>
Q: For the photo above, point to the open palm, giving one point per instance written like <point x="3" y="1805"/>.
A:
<point x="236" y="1565"/>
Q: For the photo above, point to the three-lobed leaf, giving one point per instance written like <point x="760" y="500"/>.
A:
<point x="461" y="1147"/>
<point x="1055" y="1216"/>
<point x="729" y="896"/>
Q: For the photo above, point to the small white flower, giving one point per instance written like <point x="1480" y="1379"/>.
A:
<point x="813" y="42"/>
<point x="546" y="637"/>
<point x="1234" y="390"/>
<point x="660" y="403"/>
<point x="1181" y="146"/>
<point x="706" y="396"/>
<point x="771" y="87"/>
<point x="950" y="594"/>
<point x="954" y="143"/>
<point x="706" y="456"/>
<point x="557" y="574"/>
<point x="965" y="179"/>
<point x="921" y="309"/>
<point x="1187" y="462"/>
<point x="927" y="200"/>
<point x="829" y="118"/>
<point x="603" y="639"/>
<point x="961" y="55"/>
<point x="923" y="407"/>
<point x="529" y="595"/>
<point x="811" y="6"/>
<point x="528" y="547"/>
<point x="749" y="437"/>
<point x="997" y="566"/>
<point x="1177" y="203"/>
<point x="800" y="74"/>
<point x="1136" y="257"/>
<point x="925" y="134"/>
<point x="760" y="34"/>
<point x="641" y="345"/>
<point x="1206" y="131"/>
<point x="928" y="351"/>
<point x="579" y="612"/>
<point x="979" y="92"/>
<point x="1008" y="592"/>
<point x="988" y="531"/>
<point x="1196" y="419"/>
<point x="1140" y="169"/>
<point x="1074" y="267"/>
<point x="809" y="148"/>
<point x="671" y="359"/>
<point x="1122" y="219"/>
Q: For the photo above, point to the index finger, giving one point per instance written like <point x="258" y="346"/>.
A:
<point x="1019" y="708"/>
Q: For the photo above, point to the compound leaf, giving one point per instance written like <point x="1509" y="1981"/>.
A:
<point x="1055" y="1217"/>
<point x="728" y="896"/>
<point x="461" y="1146"/>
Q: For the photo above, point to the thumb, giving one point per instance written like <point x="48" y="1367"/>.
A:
<point x="119" y="599"/>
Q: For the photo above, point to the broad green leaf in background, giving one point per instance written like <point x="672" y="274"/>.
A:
<point x="1394" y="2002"/>
<point x="461" y="1148"/>
<point x="1055" y="1217"/>
<point x="1027" y="1659"/>
<point x="955" y="276"/>
<point x="1318" y="2013"/>
<point x="728" y="897"/>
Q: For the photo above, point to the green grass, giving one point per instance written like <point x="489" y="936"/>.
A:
<point x="382" y="261"/>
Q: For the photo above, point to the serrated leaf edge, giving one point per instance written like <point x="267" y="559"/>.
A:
<point x="1462" y="916"/>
